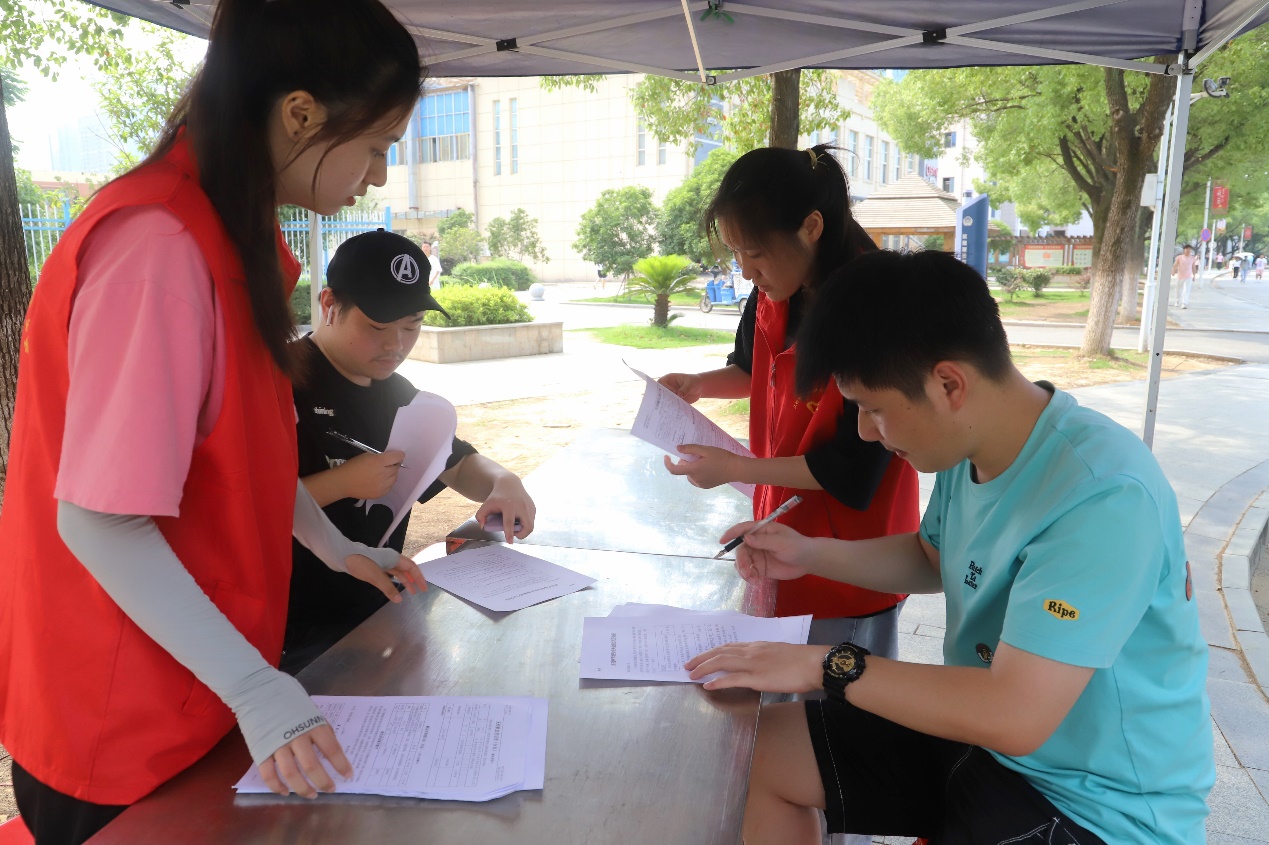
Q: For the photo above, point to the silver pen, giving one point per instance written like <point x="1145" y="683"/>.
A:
<point x="769" y="518"/>
<point x="357" y="444"/>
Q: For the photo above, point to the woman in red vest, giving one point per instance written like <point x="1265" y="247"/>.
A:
<point x="785" y="215"/>
<point x="145" y="543"/>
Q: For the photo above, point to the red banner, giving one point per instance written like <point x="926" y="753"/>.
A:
<point x="1220" y="198"/>
<point x="1246" y="233"/>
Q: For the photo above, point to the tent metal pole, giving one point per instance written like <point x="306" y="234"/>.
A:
<point x="1152" y="271"/>
<point x="1176" y="164"/>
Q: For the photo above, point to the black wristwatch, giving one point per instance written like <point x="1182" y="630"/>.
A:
<point x="842" y="665"/>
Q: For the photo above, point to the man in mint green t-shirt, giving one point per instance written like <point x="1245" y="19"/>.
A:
<point x="1071" y="707"/>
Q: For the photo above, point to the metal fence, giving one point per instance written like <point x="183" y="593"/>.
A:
<point x="43" y="224"/>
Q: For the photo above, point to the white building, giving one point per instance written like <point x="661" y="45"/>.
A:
<point x="955" y="171"/>
<point x="493" y="145"/>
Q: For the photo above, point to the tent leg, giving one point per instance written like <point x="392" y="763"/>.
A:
<point x="1172" y="199"/>
<point x="1152" y="271"/>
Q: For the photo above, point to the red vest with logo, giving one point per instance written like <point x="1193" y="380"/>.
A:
<point x="780" y="426"/>
<point x="89" y="704"/>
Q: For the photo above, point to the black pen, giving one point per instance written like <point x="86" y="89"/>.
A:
<point x="771" y="517"/>
<point x="357" y="444"/>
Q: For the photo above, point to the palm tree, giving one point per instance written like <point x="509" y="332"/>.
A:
<point x="662" y="276"/>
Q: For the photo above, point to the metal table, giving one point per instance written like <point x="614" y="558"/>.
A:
<point x="625" y="761"/>
<point x="610" y="490"/>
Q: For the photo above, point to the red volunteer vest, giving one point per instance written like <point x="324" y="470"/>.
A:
<point x="89" y="704"/>
<point x="780" y="426"/>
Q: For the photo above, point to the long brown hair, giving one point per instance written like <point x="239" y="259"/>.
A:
<point x="352" y="56"/>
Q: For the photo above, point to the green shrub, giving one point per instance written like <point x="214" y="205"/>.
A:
<point x="1011" y="281"/>
<point x="1067" y="270"/>
<point x="1082" y="281"/>
<point x="1037" y="280"/>
<point x="301" y="303"/>
<point x="502" y="272"/>
<point x="473" y="306"/>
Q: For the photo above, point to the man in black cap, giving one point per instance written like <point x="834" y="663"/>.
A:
<point x="372" y="307"/>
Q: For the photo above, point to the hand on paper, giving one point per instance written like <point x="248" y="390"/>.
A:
<point x="766" y="667"/>
<point x="712" y="467"/>
<point x="687" y="387"/>
<point x="512" y="501"/>
<point x="369" y="476"/>
<point x="772" y="551"/>
<point x="406" y="571"/>
<point x="295" y="767"/>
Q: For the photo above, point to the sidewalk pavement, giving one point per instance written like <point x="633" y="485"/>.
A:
<point x="1211" y="441"/>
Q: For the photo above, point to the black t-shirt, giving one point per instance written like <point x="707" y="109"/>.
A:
<point x="319" y="595"/>
<point x="849" y="468"/>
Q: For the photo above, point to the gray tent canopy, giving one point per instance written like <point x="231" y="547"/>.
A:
<point x="688" y="38"/>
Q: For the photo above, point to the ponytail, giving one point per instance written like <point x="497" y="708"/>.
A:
<point x="352" y="56"/>
<point x="771" y="191"/>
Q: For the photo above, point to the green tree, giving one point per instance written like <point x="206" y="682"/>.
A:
<point x="460" y="241"/>
<point x="744" y="113"/>
<point x="42" y="33"/>
<point x="140" y="90"/>
<point x="516" y="237"/>
<point x="1099" y="127"/>
<point x="662" y="276"/>
<point x="618" y="230"/>
<point x="680" y="225"/>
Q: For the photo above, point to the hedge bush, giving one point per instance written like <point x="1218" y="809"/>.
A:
<point x="502" y="272"/>
<point x="473" y="306"/>
<point x="1011" y="281"/>
<point x="1068" y="270"/>
<point x="1037" y="280"/>
<point x="301" y="304"/>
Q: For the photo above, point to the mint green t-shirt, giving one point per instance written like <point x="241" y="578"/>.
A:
<point x="1075" y="553"/>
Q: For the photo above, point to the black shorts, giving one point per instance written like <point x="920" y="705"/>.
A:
<point x="884" y="779"/>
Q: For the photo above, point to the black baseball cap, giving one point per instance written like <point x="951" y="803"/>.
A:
<point x="384" y="274"/>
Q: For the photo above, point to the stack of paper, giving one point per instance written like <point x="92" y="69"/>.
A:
<point x="651" y="642"/>
<point x="500" y="578"/>
<point x="451" y="747"/>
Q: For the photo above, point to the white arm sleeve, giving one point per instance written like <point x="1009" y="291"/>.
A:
<point x="131" y="560"/>
<point x="313" y="528"/>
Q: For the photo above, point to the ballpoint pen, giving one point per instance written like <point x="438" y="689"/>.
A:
<point x="771" y="517"/>
<point x="357" y="444"/>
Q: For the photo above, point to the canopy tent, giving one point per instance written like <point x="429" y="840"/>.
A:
<point x="686" y="39"/>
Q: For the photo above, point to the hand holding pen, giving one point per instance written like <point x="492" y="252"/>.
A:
<point x="767" y="520"/>
<point x="357" y="444"/>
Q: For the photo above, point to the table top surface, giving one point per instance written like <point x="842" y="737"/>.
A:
<point x="611" y="490"/>
<point x="659" y="762"/>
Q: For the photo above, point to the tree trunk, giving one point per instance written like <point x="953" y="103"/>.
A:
<point x="15" y="289"/>
<point x="1136" y="135"/>
<point x="661" y="311"/>
<point x="1132" y="273"/>
<point x="786" y="104"/>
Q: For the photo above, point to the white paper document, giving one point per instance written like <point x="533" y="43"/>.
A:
<point x="424" y="430"/>
<point x="458" y="748"/>
<point x="500" y="578"/>
<point x="642" y="644"/>
<point x="668" y="422"/>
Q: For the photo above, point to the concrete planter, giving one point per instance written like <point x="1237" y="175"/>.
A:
<point x="478" y="343"/>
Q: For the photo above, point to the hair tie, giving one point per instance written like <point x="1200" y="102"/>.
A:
<point x="815" y="158"/>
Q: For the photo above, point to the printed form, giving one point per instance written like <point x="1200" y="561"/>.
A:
<point x="500" y="578"/>
<point x="638" y="646"/>
<point x="424" y="430"/>
<point x="450" y="747"/>
<point x="668" y="422"/>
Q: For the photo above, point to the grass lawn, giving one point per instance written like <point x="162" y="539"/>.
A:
<point x="692" y="297"/>
<point x="650" y="337"/>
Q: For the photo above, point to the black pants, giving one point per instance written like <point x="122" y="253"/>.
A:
<point x="55" y="818"/>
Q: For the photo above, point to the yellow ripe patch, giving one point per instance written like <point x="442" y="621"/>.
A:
<point x="1061" y="609"/>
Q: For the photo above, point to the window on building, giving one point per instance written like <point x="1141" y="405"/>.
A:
<point x="396" y="153"/>
<point x="641" y="145"/>
<point x="868" y="142"/>
<point x="949" y="184"/>
<point x="852" y="147"/>
<point x="913" y="162"/>
<point x="443" y="127"/>
<point x="662" y="152"/>
<point x="949" y="140"/>
<point x="885" y="162"/>
<point x="497" y="127"/>
<point x="898" y="163"/>
<point x="515" y="136"/>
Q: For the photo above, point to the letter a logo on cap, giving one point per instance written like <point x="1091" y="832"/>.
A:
<point x="405" y="270"/>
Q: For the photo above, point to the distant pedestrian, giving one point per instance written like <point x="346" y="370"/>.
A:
<point x="1183" y="270"/>
<point x="1245" y="269"/>
<point x="1235" y="262"/>
<point x="601" y="281"/>
<point x="1260" y="266"/>
<point x="1220" y="262"/>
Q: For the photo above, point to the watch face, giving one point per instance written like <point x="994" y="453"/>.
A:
<point x="842" y="663"/>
